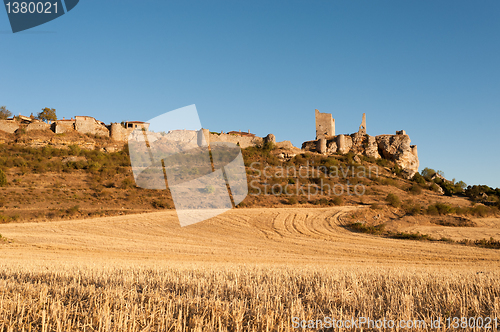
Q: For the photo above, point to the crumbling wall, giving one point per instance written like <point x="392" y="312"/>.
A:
<point x="392" y="147"/>
<point x="38" y="125"/>
<point x="89" y="125"/>
<point x="325" y="125"/>
<point x="362" y="127"/>
<point x="9" y="126"/>
<point x="63" y="126"/>
<point x="119" y="133"/>
<point x="243" y="141"/>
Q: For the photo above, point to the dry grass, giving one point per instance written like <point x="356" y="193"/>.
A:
<point x="246" y="270"/>
<point x="233" y="297"/>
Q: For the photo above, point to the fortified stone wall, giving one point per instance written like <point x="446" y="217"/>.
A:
<point x="63" y="126"/>
<point x="38" y="125"/>
<point x="325" y="125"/>
<point x="392" y="147"/>
<point x="9" y="126"/>
<point x="119" y="133"/>
<point x="89" y="125"/>
<point x="243" y="141"/>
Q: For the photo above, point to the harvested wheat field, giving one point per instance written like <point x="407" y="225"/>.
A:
<point x="246" y="270"/>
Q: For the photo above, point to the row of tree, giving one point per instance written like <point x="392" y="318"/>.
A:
<point x="47" y="114"/>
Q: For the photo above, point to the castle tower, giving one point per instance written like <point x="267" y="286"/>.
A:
<point x="325" y="125"/>
<point x="116" y="132"/>
<point x="321" y="145"/>
<point x="362" y="128"/>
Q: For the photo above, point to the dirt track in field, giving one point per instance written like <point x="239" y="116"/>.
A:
<point x="282" y="236"/>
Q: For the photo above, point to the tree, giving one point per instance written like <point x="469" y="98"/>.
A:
<point x="427" y="173"/>
<point x="47" y="114"/>
<point x="4" y="113"/>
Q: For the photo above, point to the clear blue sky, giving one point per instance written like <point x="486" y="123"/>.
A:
<point x="429" y="67"/>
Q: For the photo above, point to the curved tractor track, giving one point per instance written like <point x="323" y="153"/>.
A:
<point x="261" y="235"/>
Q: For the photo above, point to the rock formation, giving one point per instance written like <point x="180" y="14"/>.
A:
<point x="396" y="148"/>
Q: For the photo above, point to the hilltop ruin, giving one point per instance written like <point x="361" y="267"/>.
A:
<point x="80" y="124"/>
<point x="392" y="147"/>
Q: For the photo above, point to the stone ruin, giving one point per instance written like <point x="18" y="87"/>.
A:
<point x="392" y="147"/>
<point x="80" y="124"/>
<point x="325" y="125"/>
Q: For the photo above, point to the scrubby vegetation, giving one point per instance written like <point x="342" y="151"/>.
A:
<point x="101" y="183"/>
<point x="380" y="231"/>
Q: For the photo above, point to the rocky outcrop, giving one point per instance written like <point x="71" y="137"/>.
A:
<point x="270" y="138"/>
<point x="398" y="149"/>
<point x="392" y="147"/>
<point x="372" y="147"/>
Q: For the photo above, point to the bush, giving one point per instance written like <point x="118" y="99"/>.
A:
<point x="393" y="200"/>
<point x="159" y="204"/>
<point x="415" y="189"/>
<point x="428" y="173"/>
<point x="73" y="210"/>
<point x="338" y="201"/>
<point x="443" y="208"/>
<point x="418" y="178"/>
<point x="3" y="179"/>
<point x="74" y="150"/>
<point x="361" y="228"/>
<point x="412" y="209"/>
<point x="439" y="208"/>
<point x="126" y="183"/>
<point x="434" y="187"/>
<point x="383" y="162"/>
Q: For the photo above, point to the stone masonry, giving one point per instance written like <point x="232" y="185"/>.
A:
<point x="392" y="147"/>
<point x="325" y="125"/>
<point x="9" y="126"/>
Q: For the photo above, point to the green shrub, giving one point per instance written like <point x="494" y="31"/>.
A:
<point x="361" y="228"/>
<point x="383" y="162"/>
<point x="412" y="209"/>
<point x="3" y="179"/>
<point x="127" y="183"/>
<point x="393" y="200"/>
<point x="428" y="173"/>
<point x="432" y="210"/>
<point x="418" y="178"/>
<point x="415" y="189"/>
<point x="159" y="204"/>
<point x="74" y="150"/>
<point x="443" y="208"/>
<point x="73" y="210"/>
<point x="338" y="200"/>
<point x="434" y="187"/>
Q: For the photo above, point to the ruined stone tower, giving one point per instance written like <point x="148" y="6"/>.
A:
<point x="362" y="128"/>
<point x="325" y="125"/>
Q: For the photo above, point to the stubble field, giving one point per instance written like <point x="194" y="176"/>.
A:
<point x="246" y="270"/>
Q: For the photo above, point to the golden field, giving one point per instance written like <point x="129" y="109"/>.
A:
<point x="246" y="270"/>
